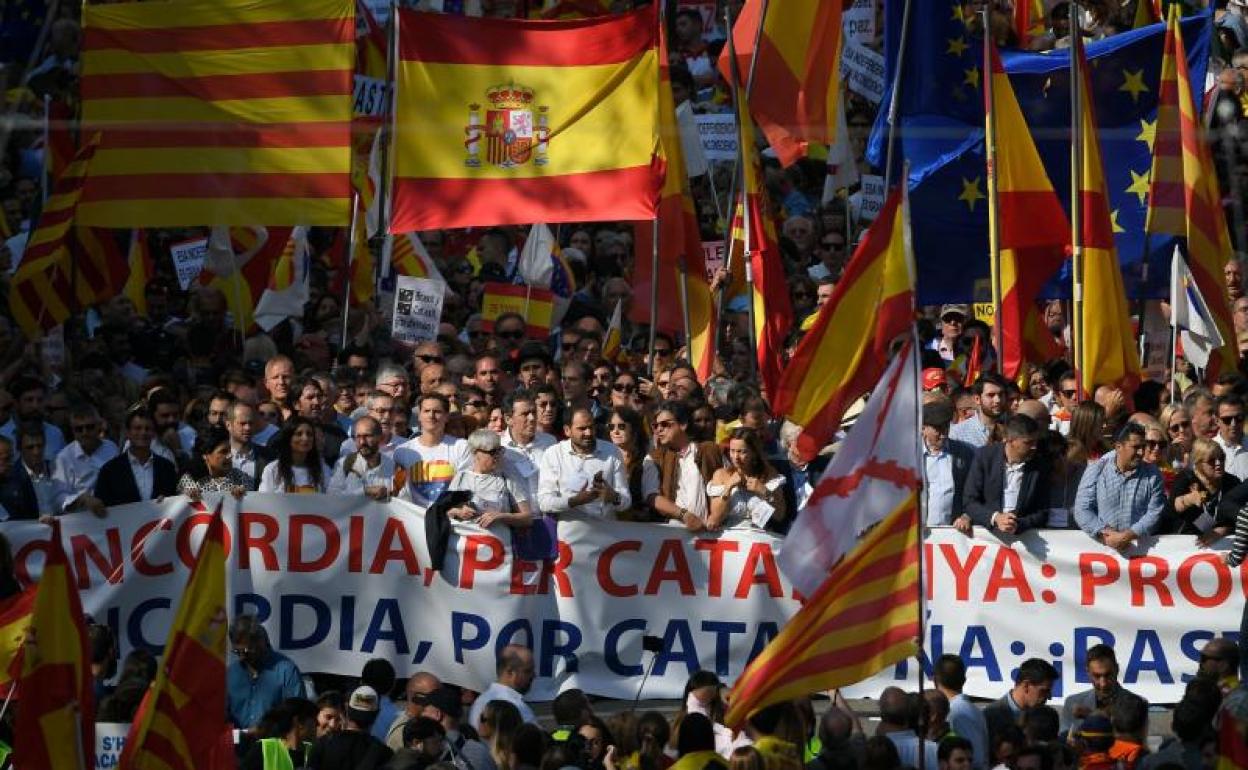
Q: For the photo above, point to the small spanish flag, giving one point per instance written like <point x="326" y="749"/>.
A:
<point x="536" y="306"/>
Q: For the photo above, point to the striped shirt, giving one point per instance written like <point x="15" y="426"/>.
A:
<point x="1239" y="542"/>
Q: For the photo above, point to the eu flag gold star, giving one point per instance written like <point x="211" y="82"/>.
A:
<point x="1139" y="185"/>
<point x="970" y="192"/>
<point x="1148" y="132"/>
<point x="957" y="46"/>
<point x="1133" y="83"/>
<point x="957" y="13"/>
<point x="972" y="77"/>
<point x="1113" y="222"/>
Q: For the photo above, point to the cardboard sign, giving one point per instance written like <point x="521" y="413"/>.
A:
<point x="872" y="197"/>
<point x="719" y="136"/>
<point x="858" y="22"/>
<point x="712" y="257"/>
<point x="188" y="259"/>
<point x="863" y="70"/>
<point x="984" y="311"/>
<point x="417" y="309"/>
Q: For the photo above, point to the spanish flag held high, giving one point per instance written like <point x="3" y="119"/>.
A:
<point x="846" y="349"/>
<point x="1183" y="195"/>
<point x="1034" y="233"/>
<point x="1108" y="353"/>
<point x="56" y="722"/>
<point x="181" y="722"/>
<point x="797" y="72"/>
<point x="224" y="111"/>
<point x="503" y="121"/>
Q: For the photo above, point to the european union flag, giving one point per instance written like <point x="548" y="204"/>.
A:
<point x="20" y="21"/>
<point x="941" y="135"/>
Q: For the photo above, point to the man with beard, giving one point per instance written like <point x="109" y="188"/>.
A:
<point x="582" y="474"/>
<point x="366" y="471"/>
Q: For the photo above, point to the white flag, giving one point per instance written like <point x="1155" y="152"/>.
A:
<point x="876" y="470"/>
<point x="1190" y="315"/>
<point x="842" y="168"/>
<point x="276" y="306"/>
<point x="535" y="266"/>
<point x="691" y="140"/>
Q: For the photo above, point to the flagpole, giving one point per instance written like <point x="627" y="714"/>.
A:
<point x="894" y="98"/>
<point x="739" y="180"/>
<point x="654" y="224"/>
<point x="1174" y="362"/>
<point x="683" y="278"/>
<point x="994" y="212"/>
<point x="1076" y="202"/>
<point x="389" y="121"/>
<point x="346" y="290"/>
<point x="46" y="182"/>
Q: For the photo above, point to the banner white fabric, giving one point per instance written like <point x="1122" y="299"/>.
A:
<point x="338" y="581"/>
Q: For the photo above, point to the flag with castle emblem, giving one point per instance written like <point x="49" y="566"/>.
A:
<point x="503" y="121"/>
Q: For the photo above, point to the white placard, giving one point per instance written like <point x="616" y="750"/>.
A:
<point x="110" y="737"/>
<point x="417" y="309"/>
<point x="858" y="22"/>
<point x="188" y="259"/>
<point x="872" y="197"/>
<point x="719" y="135"/>
<point x="863" y="70"/>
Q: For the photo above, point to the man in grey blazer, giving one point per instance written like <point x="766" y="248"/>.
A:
<point x="1101" y="666"/>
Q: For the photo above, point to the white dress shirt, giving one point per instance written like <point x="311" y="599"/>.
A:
<point x="690" y="489"/>
<point x="564" y="473"/>
<point x="144" y="474"/>
<point x="245" y="461"/>
<point x="1236" y="457"/>
<point x="524" y="460"/>
<point x="353" y="480"/>
<point x="52" y="495"/>
<point x="1013" y="485"/>
<point x="79" y="470"/>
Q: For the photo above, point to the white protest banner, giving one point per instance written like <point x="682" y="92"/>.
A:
<point x="370" y="96"/>
<point x="872" y="200"/>
<point x="719" y="135"/>
<point x="863" y="71"/>
<point x="712" y="257"/>
<point x="188" y="259"/>
<point x="110" y="738"/>
<point x="417" y="309"/>
<point x="858" y="22"/>
<point x="338" y="580"/>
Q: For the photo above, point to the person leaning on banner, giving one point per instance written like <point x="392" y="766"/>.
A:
<point x="1033" y="686"/>
<point x="210" y="469"/>
<point x="1120" y="497"/>
<point x="947" y="464"/>
<point x="137" y="474"/>
<point x="367" y="470"/>
<point x="749" y="490"/>
<point x="259" y="677"/>
<point x="1005" y="489"/>
<point x="1101" y="666"/>
<point x="582" y="474"/>
<point x="1202" y="499"/>
<point x="297" y="467"/>
<point x="676" y="473"/>
<point x="497" y="495"/>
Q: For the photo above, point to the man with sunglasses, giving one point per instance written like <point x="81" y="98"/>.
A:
<point x="509" y="330"/>
<point x="1229" y="410"/>
<point x="367" y="470"/>
<point x="952" y="324"/>
<point x="1065" y="399"/>
<point x="675" y="475"/>
<point x="78" y="464"/>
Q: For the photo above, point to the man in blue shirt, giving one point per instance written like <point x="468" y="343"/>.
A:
<point x="259" y="678"/>
<point x="1120" y="496"/>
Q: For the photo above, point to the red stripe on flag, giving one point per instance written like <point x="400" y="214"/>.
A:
<point x="258" y="85"/>
<point x="220" y="37"/>
<point x="217" y="185"/>
<point x="1027" y="217"/>
<point x="1097" y="231"/>
<point x="859" y="653"/>
<point x="268" y="136"/>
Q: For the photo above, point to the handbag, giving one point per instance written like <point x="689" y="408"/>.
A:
<point x="537" y="542"/>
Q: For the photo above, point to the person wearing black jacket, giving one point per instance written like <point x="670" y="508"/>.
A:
<point x="136" y="474"/>
<point x="1005" y="490"/>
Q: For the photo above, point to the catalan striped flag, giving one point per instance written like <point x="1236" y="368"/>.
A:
<point x="854" y="552"/>
<point x="15" y="613"/>
<point x="1183" y="196"/>
<point x="503" y="121"/>
<point x="240" y="264"/>
<point x="40" y="293"/>
<point x="797" y="70"/>
<point x="181" y="721"/>
<point x="59" y="149"/>
<point x="226" y="111"/>
<point x="773" y="311"/>
<point x="56" y="722"/>
<point x="1108" y="353"/>
<point x="1030" y="226"/>
<point x="845" y="351"/>
<point x="100" y="264"/>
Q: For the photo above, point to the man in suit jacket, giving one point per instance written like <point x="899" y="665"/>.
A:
<point x="1101" y="666"/>
<point x="136" y="474"/>
<point x="1033" y="684"/>
<point x="948" y="462"/>
<point x="1005" y="490"/>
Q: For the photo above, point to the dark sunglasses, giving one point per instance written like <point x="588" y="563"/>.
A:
<point x="1069" y="393"/>
<point x="621" y="387"/>
<point x="1175" y="427"/>
<point x="430" y="359"/>
<point x="516" y="335"/>
<point x="1154" y="444"/>
<point x="662" y="351"/>
<point x="1231" y="419"/>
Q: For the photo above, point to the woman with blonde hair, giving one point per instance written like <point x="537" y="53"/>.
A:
<point x="1195" y="497"/>
<point x="499" y="722"/>
<point x="1178" y="426"/>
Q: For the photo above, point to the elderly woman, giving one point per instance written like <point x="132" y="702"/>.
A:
<point x="211" y="471"/>
<point x="496" y="495"/>
<point x="1196" y="496"/>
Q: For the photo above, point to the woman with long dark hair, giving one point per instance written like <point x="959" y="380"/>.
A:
<point x="298" y="467"/>
<point x="627" y="433"/>
<point x="750" y="490"/>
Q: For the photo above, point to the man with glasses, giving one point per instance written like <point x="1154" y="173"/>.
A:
<point x="675" y="475"/>
<point x="1120" y="496"/>
<point x="831" y="253"/>
<point x="1065" y="399"/>
<point x="417" y="695"/>
<point x="258" y="678"/>
<point x="78" y="464"/>
<point x="392" y="379"/>
<point x="952" y="322"/>
<point x="663" y="351"/>
<point x="1219" y="662"/>
<point x="1230" y="413"/>
<point x="367" y="471"/>
<point x="426" y="353"/>
<point x="582" y="474"/>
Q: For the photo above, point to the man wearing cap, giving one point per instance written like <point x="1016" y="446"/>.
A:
<point x="952" y="322"/>
<point x="420" y="686"/>
<point x="935" y="383"/>
<point x="947" y="463"/>
<point x="353" y="748"/>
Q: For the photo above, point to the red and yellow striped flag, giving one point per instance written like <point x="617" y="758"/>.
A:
<point x="15" y="614"/>
<point x="40" y="294"/>
<point x="846" y="349"/>
<point x="100" y="262"/>
<point x="409" y="256"/>
<point x="1183" y="195"/>
<point x="502" y="121"/>
<point x="1108" y="352"/>
<point x="363" y="266"/>
<point x="797" y="72"/>
<point x="244" y="276"/>
<point x="56" y="722"/>
<point x="224" y="111"/>
<point x="535" y="306"/>
<point x="58" y="152"/>
<point x="865" y="616"/>
<point x="1032" y="226"/>
<point x="181" y="722"/>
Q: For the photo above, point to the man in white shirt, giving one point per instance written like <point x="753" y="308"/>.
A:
<point x="432" y="458"/>
<point x="53" y="496"/>
<point x="515" y="671"/>
<point x="245" y="456"/>
<point x="1230" y="414"/>
<point x="78" y="464"/>
<point x="366" y="471"/>
<point x="675" y="475"/>
<point x="583" y="474"/>
<point x="522" y="442"/>
<point x="138" y="474"/>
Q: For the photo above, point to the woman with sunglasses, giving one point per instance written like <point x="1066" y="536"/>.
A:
<point x="1156" y="452"/>
<point x="1178" y="424"/>
<point x="626" y="432"/>
<point x="624" y="391"/>
<point x="497" y="497"/>
<point x="1195" y="497"/>
<point x="298" y="468"/>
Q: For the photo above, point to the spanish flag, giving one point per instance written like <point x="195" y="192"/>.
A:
<point x="535" y="306"/>
<point x="797" y="72"/>
<point x="56" y="722"/>
<point x="223" y="111"/>
<point x="15" y="614"/>
<point x="181" y="722"/>
<point x="1108" y="352"/>
<point x="503" y="121"/>
<point x="846" y="349"/>
<point x="1030" y="225"/>
<point x="1183" y="195"/>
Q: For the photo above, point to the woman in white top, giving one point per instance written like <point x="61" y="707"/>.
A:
<point x="749" y="489"/>
<point x="298" y="467"/>
<point x="496" y="496"/>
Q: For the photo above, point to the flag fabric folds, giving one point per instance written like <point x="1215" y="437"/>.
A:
<point x="223" y="111"/>
<point x="15" y="614"/>
<point x="240" y="264"/>
<point x="846" y="349"/>
<point x="141" y="269"/>
<point x="1183" y="194"/>
<point x="797" y="70"/>
<point x="1189" y="313"/>
<point x="181" y="721"/>
<point x="854" y="553"/>
<point x="1108" y="353"/>
<point x="409" y="256"/>
<point x="502" y="121"/>
<point x="1034" y="232"/>
<point x="56" y="722"/>
<point x="611" y="345"/>
<point x="287" y="290"/>
<point x="535" y="306"/>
